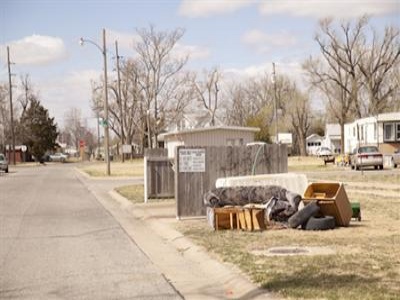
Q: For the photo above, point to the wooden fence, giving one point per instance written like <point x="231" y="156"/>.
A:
<point x="159" y="175"/>
<point x="197" y="169"/>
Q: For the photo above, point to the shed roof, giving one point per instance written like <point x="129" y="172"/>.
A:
<point x="210" y="129"/>
<point x="314" y="136"/>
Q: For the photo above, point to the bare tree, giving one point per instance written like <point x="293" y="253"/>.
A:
<point x="237" y="110"/>
<point x="356" y="78"/>
<point x="394" y="99"/>
<point x="336" y="75"/>
<point x="299" y="115"/>
<point x="378" y="66"/>
<point x="4" y="115"/>
<point x="159" y="67"/>
<point x="27" y="94"/>
<point x="206" y="91"/>
<point x="74" y="127"/>
<point x="251" y="104"/>
<point x="126" y="109"/>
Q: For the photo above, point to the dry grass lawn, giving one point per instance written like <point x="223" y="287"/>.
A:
<point x="134" y="193"/>
<point x="366" y="264"/>
<point x="130" y="168"/>
<point x="366" y="259"/>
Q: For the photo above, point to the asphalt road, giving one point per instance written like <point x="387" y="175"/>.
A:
<point x="58" y="242"/>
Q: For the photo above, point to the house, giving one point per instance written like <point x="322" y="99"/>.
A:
<point x="332" y="139"/>
<point x="314" y="142"/>
<point x="200" y="119"/>
<point x="208" y="136"/>
<point x="382" y="130"/>
<point x="19" y="151"/>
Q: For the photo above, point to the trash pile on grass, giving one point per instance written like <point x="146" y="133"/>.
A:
<point x="323" y="206"/>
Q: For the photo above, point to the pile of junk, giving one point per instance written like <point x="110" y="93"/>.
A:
<point x="323" y="206"/>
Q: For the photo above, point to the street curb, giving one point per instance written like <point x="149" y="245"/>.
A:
<point x="188" y="267"/>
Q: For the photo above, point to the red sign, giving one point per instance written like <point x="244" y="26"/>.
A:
<point x="81" y="144"/>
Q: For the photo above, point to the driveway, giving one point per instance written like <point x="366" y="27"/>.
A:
<point x="58" y="242"/>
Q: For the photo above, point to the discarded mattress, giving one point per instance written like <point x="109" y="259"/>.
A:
<point x="279" y="203"/>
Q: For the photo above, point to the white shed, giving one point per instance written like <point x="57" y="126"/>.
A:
<point x="209" y="136"/>
<point x="314" y="142"/>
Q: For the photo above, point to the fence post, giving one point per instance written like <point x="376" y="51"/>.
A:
<point x="146" y="181"/>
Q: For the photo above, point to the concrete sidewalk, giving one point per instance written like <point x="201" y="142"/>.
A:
<point x="188" y="267"/>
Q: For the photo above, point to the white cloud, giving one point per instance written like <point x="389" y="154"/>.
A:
<point x="126" y="41"/>
<point x="292" y="69"/>
<point x="321" y="9"/>
<point x="59" y="94"/>
<point x="36" y="50"/>
<point x="263" y="42"/>
<point x="194" y="52"/>
<point x="205" y="8"/>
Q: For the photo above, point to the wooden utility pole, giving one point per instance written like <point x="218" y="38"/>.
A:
<point x="275" y="104"/>
<point x="120" y="102"/>
<point x="11" y="106"/>
<point x="106" y="132"/>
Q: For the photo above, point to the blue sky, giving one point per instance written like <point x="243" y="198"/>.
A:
<point x="241" y="37"/>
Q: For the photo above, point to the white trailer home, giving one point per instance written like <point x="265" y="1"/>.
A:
<point x="382" y="130"/>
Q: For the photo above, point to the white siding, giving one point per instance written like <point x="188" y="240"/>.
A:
<point x="367" y="131"/>
<point x="219" y="137"/>
<point x="314" y="142"/>
<point x="215" y="137"/>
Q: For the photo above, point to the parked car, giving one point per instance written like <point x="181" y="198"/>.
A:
<point x="366" y="156"/>
<point x="3" y="163"/>
<point x="324" y="151"/>
<point x="58" y="157"/>
<point x="396" y="158"/>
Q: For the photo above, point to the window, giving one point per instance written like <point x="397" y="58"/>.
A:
<point x="362" y="132"/>
<point x="398" y="131"/>
<point x="375" y="131"/>
<point x="388" y="132"/>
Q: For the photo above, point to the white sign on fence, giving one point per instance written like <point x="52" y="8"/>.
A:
<point x="127" y="149"/>
<point x="192" y="160"/>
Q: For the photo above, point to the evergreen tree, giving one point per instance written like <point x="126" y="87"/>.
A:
<point x="37" y="130"/>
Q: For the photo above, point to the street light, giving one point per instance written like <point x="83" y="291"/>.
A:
<point x="103" y="50"/>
